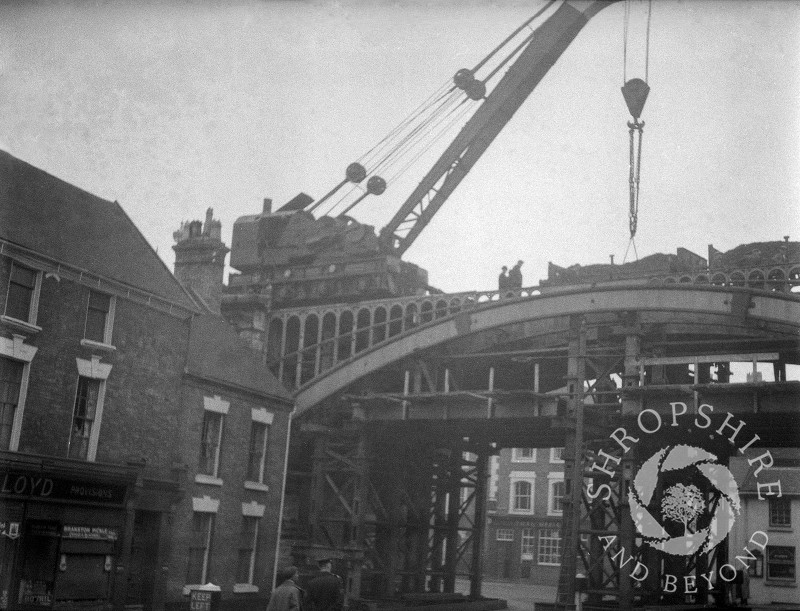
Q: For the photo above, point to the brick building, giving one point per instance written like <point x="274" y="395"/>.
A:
<point x="773" y="573"/>
<point x="523" y="526"/>
<point x="143" y="445"/>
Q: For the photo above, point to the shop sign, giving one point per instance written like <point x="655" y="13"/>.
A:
<point x="93" y="533"/>
<point x="41" y="486"/>
<point x="9" y="529"/>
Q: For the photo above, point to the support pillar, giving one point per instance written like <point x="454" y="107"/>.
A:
<point x="479" y="522"/>
<point x="454" y="475"/>
<point x="573" y="467"/>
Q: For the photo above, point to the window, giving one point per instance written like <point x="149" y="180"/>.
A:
<point x="780" y="511"/>
<point x="522" y="497"/>
<point x="22" y="296"/>
<point x="523" y="455"/>
<point x="505" y="534"/>
<point x="555" y="497"/>
<point x="199" y="571"/>
<point x="210" y="442"/>
<point x="259" y="438"/>
<point x="557" y="455"/>
<point x="528" y="543"/>
<point x="549" y="546"/>
<point x="780" y="563"/>
<point x="10" y="383"/>
<point x="83" y="417"/>
<point x="99" y="318"/>
<point x="248" y="543"/>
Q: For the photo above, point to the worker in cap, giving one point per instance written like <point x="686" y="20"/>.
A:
<point x="502" y="280"/>
<point x="515" y="276"/>
<point x="325" y="592"/>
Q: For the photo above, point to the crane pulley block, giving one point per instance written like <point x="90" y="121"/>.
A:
<point x="635" y="93"/>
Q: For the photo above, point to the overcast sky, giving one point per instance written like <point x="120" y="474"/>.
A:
<point x="172" y="107"/>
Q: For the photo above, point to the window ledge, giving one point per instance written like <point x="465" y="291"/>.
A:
<point x="786" y="529"/>
<point x="90" y="343"/>
<point x="21" y="325"/>
<point x="244" y="588"/>
<point x="520" y="512"/>
<point x="202" y="478"/>
<point x="780" y="584"/>
<point x="256" y="486"/>
<point x="554" y="514"/>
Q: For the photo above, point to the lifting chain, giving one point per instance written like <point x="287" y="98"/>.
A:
<point x="634" y="127"/>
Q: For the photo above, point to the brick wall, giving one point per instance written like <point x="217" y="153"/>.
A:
<point x="232" y="493"/>
<point x="142" y="401"/>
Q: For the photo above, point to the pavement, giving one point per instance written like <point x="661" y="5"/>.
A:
<point x="519" y="596"/>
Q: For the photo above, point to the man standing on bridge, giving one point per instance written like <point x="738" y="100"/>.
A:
<point x="502" y="280"/>
<point x="515" y="276"/>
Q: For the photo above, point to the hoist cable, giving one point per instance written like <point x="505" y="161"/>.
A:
<point x="631" y="242"/>
<point x="416" y="133"/>
<point x="420" y="136"/>
<point x="407" y="140"/>
<point x="438" y="137"/>
<point x="338" y="202"/>
<point x="454" y="116"/>
<point x="647" y="43"/>
<point x="625" y="19"/>
<point x="526" y="41"/>
<point x="435" y="97"/>
<point x="480" y="64"/>
<point x="401" y="139"/>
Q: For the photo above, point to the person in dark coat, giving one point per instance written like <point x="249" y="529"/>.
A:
<point x="325" y="592"/>
<point x="287" y="596"/>
<point x="515" y="276"/>
<point x="502" y="280"/>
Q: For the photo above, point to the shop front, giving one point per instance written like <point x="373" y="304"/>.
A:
<point x="62" y="533"/>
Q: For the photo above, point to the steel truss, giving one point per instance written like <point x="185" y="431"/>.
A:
<point x="603" y="556"/>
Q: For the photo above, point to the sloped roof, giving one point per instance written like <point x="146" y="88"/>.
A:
<point x="786" y="468"/>
<point x="217" y="353"/>
<point x="54" y="218"/>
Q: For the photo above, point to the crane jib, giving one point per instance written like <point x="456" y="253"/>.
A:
<point x="551" y="40"/>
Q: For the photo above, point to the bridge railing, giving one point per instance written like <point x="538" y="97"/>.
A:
<point x="301" y="343"/>
<point x="304" y="342"/>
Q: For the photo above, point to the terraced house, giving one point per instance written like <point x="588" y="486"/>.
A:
<point x="143" y="445"/>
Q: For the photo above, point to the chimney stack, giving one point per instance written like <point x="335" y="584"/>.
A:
<point x="267" y="206"/>
<point x="200" y="259"/>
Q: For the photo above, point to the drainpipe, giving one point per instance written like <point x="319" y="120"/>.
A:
<point x="283" y="498"/>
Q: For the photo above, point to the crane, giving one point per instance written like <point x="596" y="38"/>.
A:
<point x="551" y="40"/>
<point x="300" y="259"/>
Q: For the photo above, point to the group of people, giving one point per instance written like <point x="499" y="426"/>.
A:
<point x="510" y="279"/>
<point x="325" y="591"/>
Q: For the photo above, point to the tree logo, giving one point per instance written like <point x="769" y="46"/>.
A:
<point x="706" y="518"/>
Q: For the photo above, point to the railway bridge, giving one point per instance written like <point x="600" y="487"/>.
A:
<point x="401" y="402"/>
